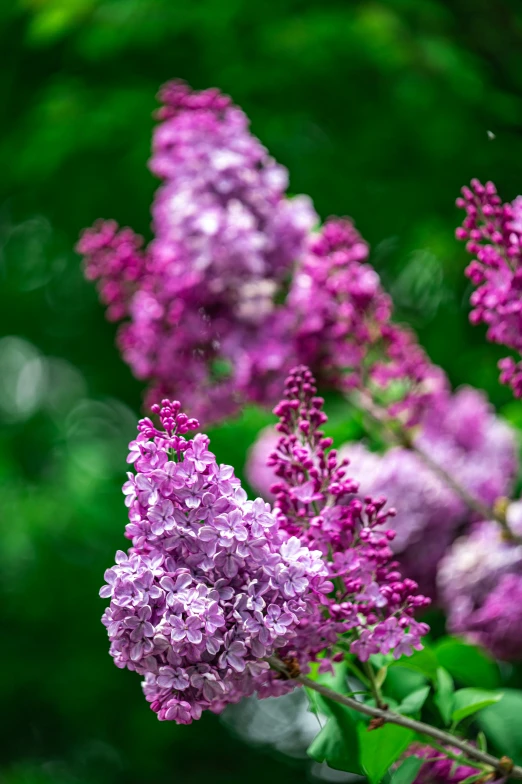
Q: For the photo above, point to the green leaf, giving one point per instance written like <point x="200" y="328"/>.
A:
<point x="380" y="748"/>
<point x="501" y="723"/>
<point x="414" y="701"/>
<point x="335" y="681"/>
<point x="424" y="661"/>
<point x="407" y="771"/>
<point x="400" y="682"/>
<point x="444" y="698"/>
<point x="337" y="743"/>
<point x="470" y="701"/>
<point x="467" y="664"/>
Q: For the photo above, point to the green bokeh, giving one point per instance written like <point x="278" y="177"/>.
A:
<point x="381" y="111"/>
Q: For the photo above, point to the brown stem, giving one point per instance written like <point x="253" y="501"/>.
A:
<point x="400" y="435"/>
<point x="503" y="765"/>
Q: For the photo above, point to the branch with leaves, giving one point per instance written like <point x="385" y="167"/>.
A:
<point x="444" y="741"/>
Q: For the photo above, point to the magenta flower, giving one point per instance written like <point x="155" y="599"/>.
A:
<point x="493" y="232"/>
<point x="365" y="597"/>
<point x="202" y="295"/>
<point x="343" y="328"/>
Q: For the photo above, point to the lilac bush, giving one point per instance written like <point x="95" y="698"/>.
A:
<point x="213" y="583"/>
<point x="220" y="597"/>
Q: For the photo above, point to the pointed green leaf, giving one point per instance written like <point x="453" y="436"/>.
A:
<point x="380" y="748"/>
<point x="470" y="701"/>
<point x="337" y="743"/>
<point x="414" y="701"/>
<point x="400" y="682"/>
<point x="444" y="697"/>
<point x="423" y="661"/>
<point x="407" y="771"/>
<point x="501" y="723"/>
<point x="467" y="663"/>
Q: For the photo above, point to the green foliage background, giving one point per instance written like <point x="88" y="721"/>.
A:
<point x="381" y="110"/>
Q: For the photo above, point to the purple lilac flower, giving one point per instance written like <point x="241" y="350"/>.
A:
<point x="211" y="584"/>
<point x="480" y="581"/>
<point x="493" y="232"/>
<point x="344" y="331"/>
<point x="317" y="507"/>
<point x="465" y="437"/>
<point x="438" y="769"/>
<point x="201" y="297"/>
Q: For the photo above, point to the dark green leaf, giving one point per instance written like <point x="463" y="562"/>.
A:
<point x="337" y="743"/>
<point x="380" y="748"/>
<point x="501" y="723"/>
<point x="467" y="663"/>
<point x="470" y="701"/>
<point x="407" y="771"/>
<point x="444" y="697"/>
<point x="424" y="661"/>
<point x="335" y="681"/>
<point x="414" y="701"/>
<point x="400" y="682"/>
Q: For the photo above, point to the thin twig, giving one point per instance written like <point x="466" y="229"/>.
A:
<point x="400" y="436"/>
<point x="503" y="765"/>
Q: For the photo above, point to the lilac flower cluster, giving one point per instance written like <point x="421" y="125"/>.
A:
<point x="235" y="286"/>
<point x="371" y="606"/>
<point x="345" y="333"/>
<point x="465" y="437"/>
<point x="225" y="237"/>
<point x="438" y="769"/>
<point x="480" y="581"/>
<point x="211" y="585"/>
<point x="493" y="232"/>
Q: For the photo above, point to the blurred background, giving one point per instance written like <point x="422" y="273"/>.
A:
<point x="381" y="110"/>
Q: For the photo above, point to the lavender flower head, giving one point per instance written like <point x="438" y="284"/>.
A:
<point x="480" y="581"/>
<point x="202" y="294"/>
<point x="211" y="584"/>
<point x="493" y="232"/>
<point x="369" y="603"/>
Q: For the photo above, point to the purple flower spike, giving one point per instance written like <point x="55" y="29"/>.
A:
<point x="493" y="235"/>
<point x="202" y="295"/>
<point x="365" y="597"/>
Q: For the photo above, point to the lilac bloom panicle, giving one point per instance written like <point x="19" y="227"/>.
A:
<point x="196" y="603"/>
<point x="365" y="597"/>
<point x="202" y="295"/>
